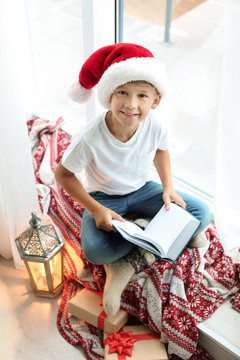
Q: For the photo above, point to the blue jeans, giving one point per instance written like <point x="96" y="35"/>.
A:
<point x="102" y="247"/>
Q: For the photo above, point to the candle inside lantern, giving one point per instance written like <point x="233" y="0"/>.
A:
<point x="56" y="269"/>
<point x="39" y="275"/>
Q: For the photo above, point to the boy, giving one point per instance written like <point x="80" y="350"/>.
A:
<point x="116" y="151"/>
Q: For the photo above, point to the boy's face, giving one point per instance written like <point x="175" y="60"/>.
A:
<point x="131" y="103"/>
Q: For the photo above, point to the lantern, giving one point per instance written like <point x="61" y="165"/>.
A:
<point x="42" y="251"/>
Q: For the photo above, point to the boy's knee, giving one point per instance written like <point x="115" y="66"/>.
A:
<point x="91" y="254"/>
<point x="95" y="251"/>
<point x="207" y="215"/>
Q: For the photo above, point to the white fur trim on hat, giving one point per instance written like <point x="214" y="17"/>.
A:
<point x="78" y="93"/>
<point x="133" y="69"/>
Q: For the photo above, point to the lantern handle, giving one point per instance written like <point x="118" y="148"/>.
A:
<point x="35" y="221"/>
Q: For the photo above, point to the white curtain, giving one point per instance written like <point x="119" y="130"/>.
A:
<point x="18" y="196"/>
<point x="227" y="197"/>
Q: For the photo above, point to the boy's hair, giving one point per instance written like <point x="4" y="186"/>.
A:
<point x="115" y="65"/>
<point x="142" y="82"/>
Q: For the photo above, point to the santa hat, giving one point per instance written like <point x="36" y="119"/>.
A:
<point x="115" y="65"/>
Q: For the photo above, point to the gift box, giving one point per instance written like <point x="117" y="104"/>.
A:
<point x="86" y="305"/>
<point x="134" y="343"/>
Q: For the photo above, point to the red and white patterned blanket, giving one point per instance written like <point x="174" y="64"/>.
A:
<point x="170" y="298"/>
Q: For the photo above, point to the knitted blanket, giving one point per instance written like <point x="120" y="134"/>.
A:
<point x="170" y="298"/>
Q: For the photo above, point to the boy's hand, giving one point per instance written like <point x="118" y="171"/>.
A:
<point x="172" y="196"/>
<point x="103" y="218"/>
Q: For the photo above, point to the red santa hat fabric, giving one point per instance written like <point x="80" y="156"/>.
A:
<point x="114" y="65"/>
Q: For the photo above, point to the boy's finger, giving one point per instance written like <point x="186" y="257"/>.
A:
<point x="182" y="203"/>
<point x="118" y="217"/>
<point x="167" y="205"/>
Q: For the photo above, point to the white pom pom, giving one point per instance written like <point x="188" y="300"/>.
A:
<point x="78" y="93"/>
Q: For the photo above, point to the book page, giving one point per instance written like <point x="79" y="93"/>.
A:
<point x="136" y="235"/>
<point x="167" y="224"/>
<point x="131" y="228"/>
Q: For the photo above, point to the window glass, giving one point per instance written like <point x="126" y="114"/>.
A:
<point x="193" y="57"/>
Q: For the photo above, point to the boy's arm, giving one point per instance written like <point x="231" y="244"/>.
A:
<point x="103" y="216"/>
<point x="162" y="164"/>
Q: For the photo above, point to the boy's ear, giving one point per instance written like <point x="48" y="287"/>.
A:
<point x="156" y="102"/>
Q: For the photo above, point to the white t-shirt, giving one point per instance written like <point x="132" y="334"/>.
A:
<point x="110" y="165"/>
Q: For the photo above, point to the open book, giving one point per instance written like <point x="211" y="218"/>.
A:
<point x="166" y="235"/>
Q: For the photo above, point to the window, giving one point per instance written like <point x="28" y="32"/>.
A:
<point x="193" y="57"/>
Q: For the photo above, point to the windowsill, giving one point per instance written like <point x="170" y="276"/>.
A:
<point x="222" y="329"/>
<point x="48" y="112"/>
<point x="182" y="186"/>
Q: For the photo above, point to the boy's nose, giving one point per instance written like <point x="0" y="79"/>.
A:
<point x="131" y="102"/>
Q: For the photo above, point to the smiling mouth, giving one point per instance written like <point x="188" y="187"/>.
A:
<point x="128" y="115"/>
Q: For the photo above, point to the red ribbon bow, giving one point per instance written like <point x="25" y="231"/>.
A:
<point x="121" y="342"/>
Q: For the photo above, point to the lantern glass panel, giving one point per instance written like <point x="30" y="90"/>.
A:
<point x="34" y="247"/>
<point x="48" y="237"/>
<point x="39" y="275"/>
<point x="56" y="269"/>
<point x="24" y="238"/>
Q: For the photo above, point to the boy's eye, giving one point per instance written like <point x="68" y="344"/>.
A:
<point x="121" y="92"/>
<point x="143" y="96"/>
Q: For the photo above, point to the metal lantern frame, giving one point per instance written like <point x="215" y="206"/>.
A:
<point x="41" y="249"/>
